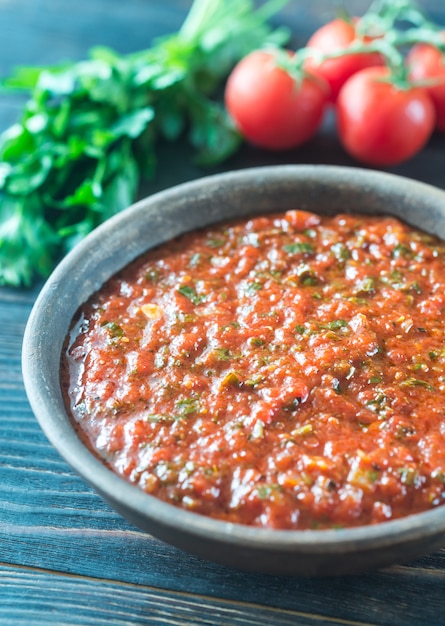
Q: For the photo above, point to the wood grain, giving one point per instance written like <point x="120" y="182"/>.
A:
<point x="50" y="519"/>
<point x="69" y="600"/>
<point x="67" y="557"/>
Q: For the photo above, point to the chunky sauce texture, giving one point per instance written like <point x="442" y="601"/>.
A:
<point x="286" y="372"/>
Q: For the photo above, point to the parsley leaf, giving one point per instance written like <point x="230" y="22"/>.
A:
<point x="88" y="134"/>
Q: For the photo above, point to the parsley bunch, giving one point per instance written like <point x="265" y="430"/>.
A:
<point x="89" y="131"/>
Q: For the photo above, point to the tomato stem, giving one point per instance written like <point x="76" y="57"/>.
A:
<point x="388" y="12"/>
<point x="381" y="24"/>
<point x="414" y="36"/>
<point x="393" y="58"/>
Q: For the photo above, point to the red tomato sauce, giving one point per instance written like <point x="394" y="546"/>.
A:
<point x="285" y="372"/>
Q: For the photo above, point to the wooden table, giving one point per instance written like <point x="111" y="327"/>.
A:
<point x="65" y="556"/>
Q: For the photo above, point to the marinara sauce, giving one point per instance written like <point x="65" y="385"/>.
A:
<point x="286" y="372"/>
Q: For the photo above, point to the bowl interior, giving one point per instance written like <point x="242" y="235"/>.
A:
<point x="153" y="221"/>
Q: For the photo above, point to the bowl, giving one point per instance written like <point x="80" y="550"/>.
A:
<point x="154" y="220"/>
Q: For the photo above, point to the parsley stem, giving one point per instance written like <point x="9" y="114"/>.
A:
<point x="89" y="131"/>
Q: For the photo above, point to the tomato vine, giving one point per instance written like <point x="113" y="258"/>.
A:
<point x="377" y="124"/>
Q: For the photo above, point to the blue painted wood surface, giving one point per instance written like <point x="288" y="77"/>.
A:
<point x="65" y="556"/>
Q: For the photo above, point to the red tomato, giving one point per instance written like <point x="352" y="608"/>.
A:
<point x="379" y="123"/>
<point x="270" y="108"/>
<point x="334" y="36"/>
<point x="427" y="63"/>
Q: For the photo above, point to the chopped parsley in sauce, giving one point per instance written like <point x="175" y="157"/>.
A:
<point x="286" y="372"/>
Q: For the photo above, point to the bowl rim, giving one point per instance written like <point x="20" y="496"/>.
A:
<point x="62" y="434"/>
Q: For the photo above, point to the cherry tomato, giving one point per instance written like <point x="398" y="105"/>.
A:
<point x="333" y="36"/>
<point x="270" y="108"/>
<point x="380" y="123"/>
<point x="427" y="63"/>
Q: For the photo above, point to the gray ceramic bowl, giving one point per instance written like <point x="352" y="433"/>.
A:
<point x="153" y="221"/>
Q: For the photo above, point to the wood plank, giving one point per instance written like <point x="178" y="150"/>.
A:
<point x="400" y="595"/>
<point x="63" y="599"/>
<point x="50" y="519"/>
<point x="68" y="600"/>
